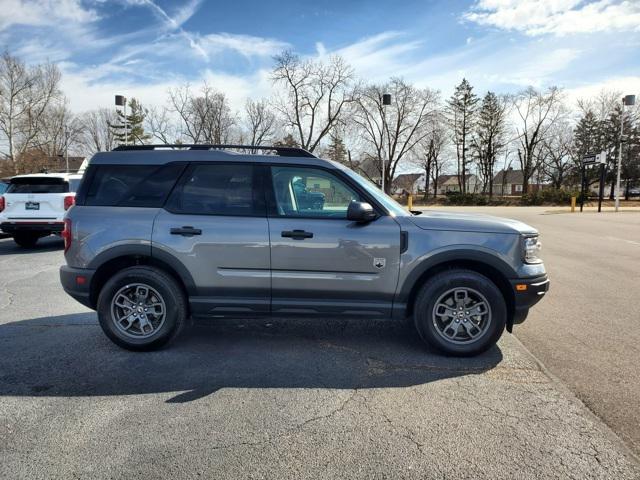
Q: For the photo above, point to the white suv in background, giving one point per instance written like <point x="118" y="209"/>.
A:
<point x="33" y="206"/>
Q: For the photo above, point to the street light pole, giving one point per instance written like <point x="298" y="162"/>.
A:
<point x="121" y="101"/>
<point x="386" y="100"/>
<point x="628" y="100"/>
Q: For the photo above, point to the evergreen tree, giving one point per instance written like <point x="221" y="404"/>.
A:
<point x="489" y="138"/>
<point x="337" y="150"/>
<point x="462" y="108"/>
<point x="135" y="134"/>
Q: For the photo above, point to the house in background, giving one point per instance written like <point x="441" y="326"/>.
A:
<point x="409" y="183"/>
<point x="450" y="184"/>
<point x="509" y="182"/>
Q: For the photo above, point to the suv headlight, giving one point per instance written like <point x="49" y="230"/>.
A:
<point x="532" y="247"/>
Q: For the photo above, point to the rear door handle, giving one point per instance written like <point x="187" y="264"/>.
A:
<point x="186" y="231"/>
<point x="297" y="234"/>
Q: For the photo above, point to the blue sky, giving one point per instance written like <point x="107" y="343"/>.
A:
<point x="142" y="47"/>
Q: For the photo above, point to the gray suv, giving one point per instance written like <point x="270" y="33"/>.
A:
<point x="161" y="234"/>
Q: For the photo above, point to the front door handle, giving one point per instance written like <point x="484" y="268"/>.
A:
<point x="186" y="231"/>
<point x="297" y="234"/>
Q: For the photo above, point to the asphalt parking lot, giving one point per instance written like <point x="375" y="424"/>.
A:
<point x="326" y="399"/>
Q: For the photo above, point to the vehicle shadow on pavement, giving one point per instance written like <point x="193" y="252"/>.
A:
<point x="69" y="355"/>
<point x="49" y="244"/>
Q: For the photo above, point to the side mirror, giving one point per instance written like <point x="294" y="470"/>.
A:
<point x="361" y="212"/>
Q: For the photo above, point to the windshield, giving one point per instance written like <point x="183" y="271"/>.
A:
<point x="389" y="203"/>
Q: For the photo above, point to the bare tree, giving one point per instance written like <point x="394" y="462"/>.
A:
<point x="59" y="131"/>
<point x="557" y="151"/>
<point x="25" y="94"/>
<point x="538" y="112"/>
<point x="431" y="146"/>
<point x="261" y="122"/>
<point x="393" y="132"/>
<point x="97" y="135"/>
<point x="204" y="117"/>
<point x="316" y="95"/>
<point x="161" y="125"/>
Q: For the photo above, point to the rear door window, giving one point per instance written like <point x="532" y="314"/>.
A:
<point x="131" y="185"/>
<point x="219" y="189"/>
<point x="38" y="185"/>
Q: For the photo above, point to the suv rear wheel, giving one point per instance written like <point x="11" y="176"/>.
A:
<point x="27" y="240"/>
<point x="141" y="308"/>
<point x="460" y="312"/>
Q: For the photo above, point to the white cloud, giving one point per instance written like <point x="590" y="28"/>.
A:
<point x="624" y="85"/>
<point x="84" y="92"/>
<point x="44" y="13"/>
<point x="559" y="17"/>
<point x="245" y="45"/>
<point x="381" y="56"/>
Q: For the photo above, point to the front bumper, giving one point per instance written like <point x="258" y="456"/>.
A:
<point x="77" y="283"/>
<point x="527" y="292"/>
<point x="12" y="228"/>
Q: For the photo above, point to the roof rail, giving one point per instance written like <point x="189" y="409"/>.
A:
<point x="281" y="151"/>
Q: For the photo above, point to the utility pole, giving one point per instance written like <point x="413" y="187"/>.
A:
<point x="66" y="146"/>
<point x="627" y="100"/>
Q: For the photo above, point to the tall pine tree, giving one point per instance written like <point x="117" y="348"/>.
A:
<point x="462" y="108"/>
<point x="489" y="137"/>
<point x="336" y="150"/>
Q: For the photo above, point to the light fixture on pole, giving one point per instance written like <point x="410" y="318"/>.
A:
<point x="386" y="100"/>
<point x="628" y="100"/>
<point x="121" y="101"/>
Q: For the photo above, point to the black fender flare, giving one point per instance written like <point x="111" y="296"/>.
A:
<point x="146" y="251"/>
<point x="452" y="254"/>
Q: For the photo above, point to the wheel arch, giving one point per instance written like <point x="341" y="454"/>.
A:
<point x="485" y="264"/>
<point x="112" y="262"/>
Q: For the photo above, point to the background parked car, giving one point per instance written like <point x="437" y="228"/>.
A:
<point x="33" y="206"/>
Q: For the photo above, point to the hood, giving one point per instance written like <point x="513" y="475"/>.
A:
<point x="470" y="222"/>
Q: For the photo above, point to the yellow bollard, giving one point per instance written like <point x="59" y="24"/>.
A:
<point x="410" y="202"/>
<point x="573" y="204"/>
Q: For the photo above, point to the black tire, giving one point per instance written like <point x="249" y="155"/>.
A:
<point x="425" y="317"/>
<point x="171" y="294"/>
<point x="26" y="240"/>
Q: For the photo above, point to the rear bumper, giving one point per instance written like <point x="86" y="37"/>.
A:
<point x="77" y="283"/>
<point x="11" y="228"/>
<point x="528" y="292"/>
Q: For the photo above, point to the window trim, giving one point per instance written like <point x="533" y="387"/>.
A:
<point x="257" y="179"/>
<point x="271" y="202"/>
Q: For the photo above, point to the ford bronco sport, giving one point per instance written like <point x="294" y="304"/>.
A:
<point x="160" y="234"/>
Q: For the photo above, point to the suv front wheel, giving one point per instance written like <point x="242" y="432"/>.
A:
<point x="460" y="312"/>
<point x="141" y="308"/>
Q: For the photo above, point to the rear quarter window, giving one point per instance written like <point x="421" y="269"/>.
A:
<point x="130" y="185"/>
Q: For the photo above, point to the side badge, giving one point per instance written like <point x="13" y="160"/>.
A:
<point x="379" y="262"/>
